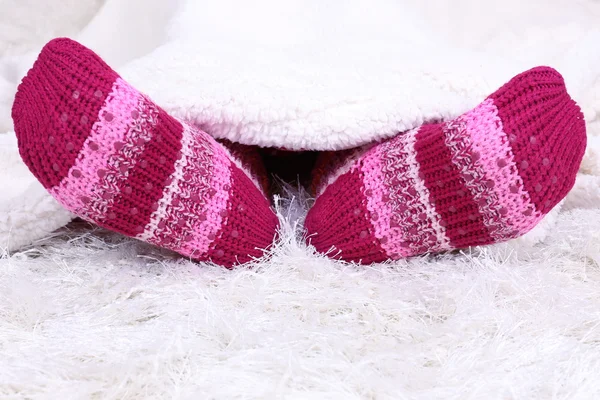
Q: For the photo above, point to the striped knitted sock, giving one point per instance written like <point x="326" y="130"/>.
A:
<point x="487" y="176"/>
<point x="112" y="157"/>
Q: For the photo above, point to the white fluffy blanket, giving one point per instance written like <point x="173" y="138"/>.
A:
<point x="308" y="74"/>
<point x="90" y="315"/>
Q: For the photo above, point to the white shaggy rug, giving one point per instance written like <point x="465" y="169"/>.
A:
<point x="89" y="315"/>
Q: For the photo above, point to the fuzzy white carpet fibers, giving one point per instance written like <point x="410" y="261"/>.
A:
<point x="89" y="315"/>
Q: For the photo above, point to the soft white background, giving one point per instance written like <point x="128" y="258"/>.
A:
<point x="86" y="314"/>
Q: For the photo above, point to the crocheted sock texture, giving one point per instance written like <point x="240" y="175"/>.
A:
<point x="487" y="176"/>
<point x="113" y="157"/>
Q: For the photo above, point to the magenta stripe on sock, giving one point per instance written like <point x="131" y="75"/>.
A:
<point x="508" y="203"/>
<point x="458" y="212"/>
<point x="179" y="207"/>
<point x="149" y="173"/>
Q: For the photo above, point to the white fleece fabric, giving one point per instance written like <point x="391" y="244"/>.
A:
<point x="303" y="74"/>
<point x="319" y="75"/>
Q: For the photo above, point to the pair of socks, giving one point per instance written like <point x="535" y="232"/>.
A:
<point x="114" y="158"/>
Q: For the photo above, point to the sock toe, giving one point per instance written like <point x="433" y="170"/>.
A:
<point x="65" y="77"/>
<point x="546" y="131"/>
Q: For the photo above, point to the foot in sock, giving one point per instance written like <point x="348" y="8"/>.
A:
<point x="488" y="176"/>
<point x="112" y="157"/>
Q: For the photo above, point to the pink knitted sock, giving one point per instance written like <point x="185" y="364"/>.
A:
<point x="112" y="157"/>
<point x="487" y="176"/>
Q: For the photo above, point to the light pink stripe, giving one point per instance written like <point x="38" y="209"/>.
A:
<point x="97" y="151"/>
<point x="399" y="162"/>
<point x="373" y="181"/>
<point x="491" y="142"/>
<point x="205" y="232"/>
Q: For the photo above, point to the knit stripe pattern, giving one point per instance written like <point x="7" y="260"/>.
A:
<point x="488" y="176"/>
<point x="113" y="157"/>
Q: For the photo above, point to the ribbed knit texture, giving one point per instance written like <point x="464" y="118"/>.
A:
<point x="113" y="157"/>
<point x="488" y="176"/>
